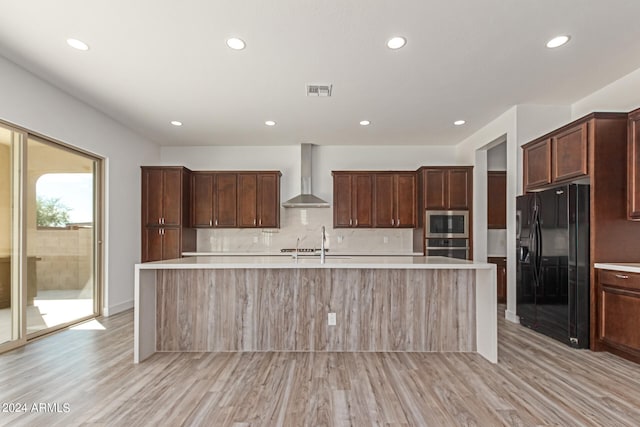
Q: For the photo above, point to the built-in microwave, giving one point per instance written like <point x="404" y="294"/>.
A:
<point x="447" y="224"/>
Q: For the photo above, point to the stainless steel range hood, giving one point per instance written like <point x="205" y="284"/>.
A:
<point x="305" y="199"/>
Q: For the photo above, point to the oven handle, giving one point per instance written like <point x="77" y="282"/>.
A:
<point x="448" y="247"/>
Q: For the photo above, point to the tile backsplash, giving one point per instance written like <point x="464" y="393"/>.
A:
<point x="305" y="224"/>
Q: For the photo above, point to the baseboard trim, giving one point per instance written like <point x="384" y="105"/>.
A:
<point x="117" y="308"/>
<point x="511" y="316"/>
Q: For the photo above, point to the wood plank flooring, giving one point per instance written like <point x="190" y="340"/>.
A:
<point x="537" y="381"/>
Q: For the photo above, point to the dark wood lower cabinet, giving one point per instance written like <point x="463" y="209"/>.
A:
<point x="159" y="243"/>
<point x="618" y="317"/>
<point x="501" y="267"/>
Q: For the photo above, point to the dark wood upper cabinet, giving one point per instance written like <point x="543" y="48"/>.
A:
<point x="569" y="153"/>
<point x="374" y="199"/>
<point x="566" y="154"/>
<point x="163" y="190"/>
<point x="362" y="200"/>
<point x="269" y="200"/>
<point x="447" y="188"/>
<point x="247" y="200"/>
<point x="385" y="215"/>
<point x="342" y="200"/>
<point x="537" y="164"/>
<point x="352" y="199"/>
<point x="259" y="199"/>
<point x="236" y="199"/>
<point x="497" y="200"/>
<point x="435" y="189"/>
<point x="225" y="200"/>
<point x="405" y="202"/>
<point x="633" y="166"/>
<point x="395" y="200"/>
<point x="459" y="188"/>
<point x="202" y="185"/>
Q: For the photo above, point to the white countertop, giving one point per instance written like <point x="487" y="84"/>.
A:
<point x="278" y="253"/>
<point x="628" y="267"/>
<point x="332" y="261"/>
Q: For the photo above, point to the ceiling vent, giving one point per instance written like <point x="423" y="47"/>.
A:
<point x="319" y="90"/>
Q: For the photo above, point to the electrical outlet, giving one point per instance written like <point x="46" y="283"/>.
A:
<point x="332" y="319"/>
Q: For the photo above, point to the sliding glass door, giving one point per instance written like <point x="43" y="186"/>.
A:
<point x="50" y="236"/>
<point x="61" y="235"/>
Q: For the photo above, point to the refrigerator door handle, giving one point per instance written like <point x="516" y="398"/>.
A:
<point x="538" y="229"/>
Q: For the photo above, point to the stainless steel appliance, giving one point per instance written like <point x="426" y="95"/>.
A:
<point x="552" y="274"/>
<point x="447" y="224"/>
<point x="452" y="248"/>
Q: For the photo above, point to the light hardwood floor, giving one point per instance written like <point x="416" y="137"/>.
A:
<point x="536" y="382"/>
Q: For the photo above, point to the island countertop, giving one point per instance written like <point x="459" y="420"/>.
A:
<point x="310" y="262"/>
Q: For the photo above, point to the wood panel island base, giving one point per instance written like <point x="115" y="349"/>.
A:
<point x="233" y="304"/>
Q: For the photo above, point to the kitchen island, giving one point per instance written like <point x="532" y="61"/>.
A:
<point x="275" y="303"/>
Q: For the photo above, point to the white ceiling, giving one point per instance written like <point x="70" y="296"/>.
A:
<point x="153" y="61"/>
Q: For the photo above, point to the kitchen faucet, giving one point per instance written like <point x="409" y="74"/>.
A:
<point x="295" y="254"/>
<point x="322" y="249"/>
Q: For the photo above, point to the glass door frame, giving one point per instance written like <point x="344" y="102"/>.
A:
<point x="19" y="236"/>
<point x="98" y="233"/>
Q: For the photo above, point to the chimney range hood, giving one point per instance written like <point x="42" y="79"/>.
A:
<point x="305" y="199"/>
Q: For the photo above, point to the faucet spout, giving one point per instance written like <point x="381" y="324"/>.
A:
<point x="322" y="248"/>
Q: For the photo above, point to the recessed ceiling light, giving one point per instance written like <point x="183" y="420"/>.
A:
<point x="396" y="42"/>
<point x="557" y="41"/>
<point x="77" y="44"/>
<point x="365" y="123"/>
<point x="176" y="123"/>
<point x="459" y="122"/>
<point x="270" y="123"/>
<point x="235" y="43"/>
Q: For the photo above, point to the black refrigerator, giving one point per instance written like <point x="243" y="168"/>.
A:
<point x="552" y="274"/>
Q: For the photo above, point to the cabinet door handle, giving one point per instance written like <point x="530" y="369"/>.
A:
<point x="350" y="221"/>
<point x="356" y="222"/>
<point x="398" y="222"/>
<point x="216" y="222"/>
<point x="260" y="222"/>
<point x="159" y="231"/>
<point x="393" y="221"/>
<point x="622" y="276"/>
<point x="159" y="220"/>
<point x="254" y="221"/>
<point x="210" y="223"/>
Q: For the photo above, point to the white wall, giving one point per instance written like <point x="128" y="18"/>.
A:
<point x="497" y="157"/>
<point x="622" y="95"/>
<point x="325" y="159"/>
<point x="32" y="103"/>
<point x="517" y="126"/>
